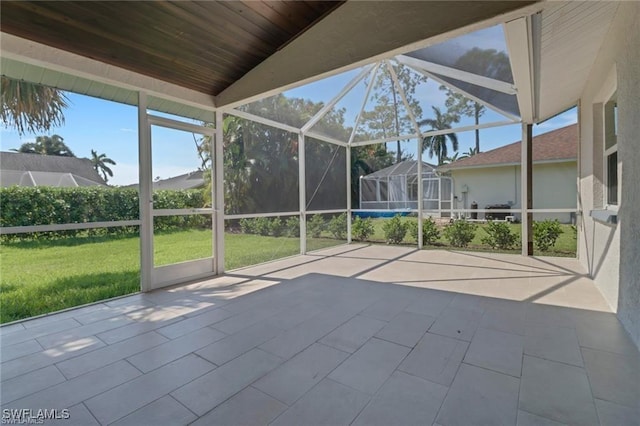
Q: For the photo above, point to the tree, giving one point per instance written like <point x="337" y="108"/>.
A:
<point x="389" y="116"/>
<point x="100" y="164"/>
<point x="437" y="145"/>
<point x="485" y="62"/>
<point x="31" y="108"/>
<point x="451" y="159"/>
<point x="45" y="145"/>
<point x="472" y="151"/>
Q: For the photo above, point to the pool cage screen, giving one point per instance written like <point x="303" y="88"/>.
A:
<point x="396" y="188"/>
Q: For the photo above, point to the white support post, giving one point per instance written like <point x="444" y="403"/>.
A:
<point x="439" y="197"/>
<point x="145" y="195"/>
<point x="348" y="156"/>
<point x="218" y="195"/>
<point x="420" y="195"/>
<point x="302" y="182"/>
<point x="526" y="199"/>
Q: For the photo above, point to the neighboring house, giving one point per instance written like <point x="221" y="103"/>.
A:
<point x="21" y="169"/>
<point x="191" y="180"/>
<point x="493" y="177"/>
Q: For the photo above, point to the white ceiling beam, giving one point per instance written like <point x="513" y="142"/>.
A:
<point x="478" y="80"/>
<point x="518" y="36"/>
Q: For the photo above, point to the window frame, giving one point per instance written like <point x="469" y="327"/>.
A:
<point x="607" y="152"/>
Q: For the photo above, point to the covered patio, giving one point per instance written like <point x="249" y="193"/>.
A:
<point x="354" y="334"/>
<point x="350" y="335"/>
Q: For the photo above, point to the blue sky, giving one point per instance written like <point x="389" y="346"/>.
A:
<point x="112" y="128"/>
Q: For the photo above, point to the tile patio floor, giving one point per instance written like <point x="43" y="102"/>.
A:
<point x="364" y="335"/>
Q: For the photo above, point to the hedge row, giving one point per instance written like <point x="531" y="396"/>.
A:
<point x="26" y="206"/>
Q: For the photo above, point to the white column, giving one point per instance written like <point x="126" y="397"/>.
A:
<point x="348" y="160"/>
<point x="217" y="174"/>
<point x="526" y="199"/>
<point x="302" y="182"/>
<point x="145" y="195"/>
<point x="420" y="195"/>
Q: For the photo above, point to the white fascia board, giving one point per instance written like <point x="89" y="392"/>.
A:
<point x="475" y="79"/>
<point x="519" y="44"/>
<point x="30" y="52"/>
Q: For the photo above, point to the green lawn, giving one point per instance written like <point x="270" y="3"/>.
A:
<point x="38" y="277"/>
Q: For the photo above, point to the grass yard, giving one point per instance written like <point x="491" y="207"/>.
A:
<point x="38" y="277"/>
<point x="566" y="245"/>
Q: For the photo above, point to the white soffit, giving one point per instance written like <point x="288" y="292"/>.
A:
<point x="571" y="36"/>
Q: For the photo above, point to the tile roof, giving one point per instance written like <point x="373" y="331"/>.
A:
<point x="560" y="144"/>
<point x="47" y="170"/>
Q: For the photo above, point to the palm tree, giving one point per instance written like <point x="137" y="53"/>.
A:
<point x="472" y="151"/>
<point x="31" y="108"/>
<point x="437" y="144"/>
<point x="452" y="159"/>
<point x="45" y="145"/>
<point x="100" y="164"/>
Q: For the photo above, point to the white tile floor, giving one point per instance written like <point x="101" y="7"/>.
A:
<point x="360" y="335"/>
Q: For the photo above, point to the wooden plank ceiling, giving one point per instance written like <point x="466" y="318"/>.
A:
<point x="202" y="45"/>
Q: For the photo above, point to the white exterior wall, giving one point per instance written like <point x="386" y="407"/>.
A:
<point x="611" y="253"/>
<point x="554" y="187"/>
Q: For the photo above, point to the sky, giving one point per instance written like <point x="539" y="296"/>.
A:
<point x="112" y="128"/>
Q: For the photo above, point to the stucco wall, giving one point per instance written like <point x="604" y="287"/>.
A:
<point x="554" y="187"/>
<point x="612" y="253"/>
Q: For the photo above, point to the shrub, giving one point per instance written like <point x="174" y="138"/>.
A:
<point x="395" y="229"/>
<point x="546" y="233"/>
<point x="247" y="226"/>
<point x="315" y="225"/>
<point x="293" y="226"/>
<point x="362" y="229"/>
<point x="25" y="206"/>
<point x="262" y="226"/>
<point x="460" y="233"/>
<point x="499" y="236"/>
<point x="276" y="227"/>
<point x="430" y="232"/>
<point x="338" y="226"/>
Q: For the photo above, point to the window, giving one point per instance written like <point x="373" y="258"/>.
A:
<point x="611" y="151"/>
